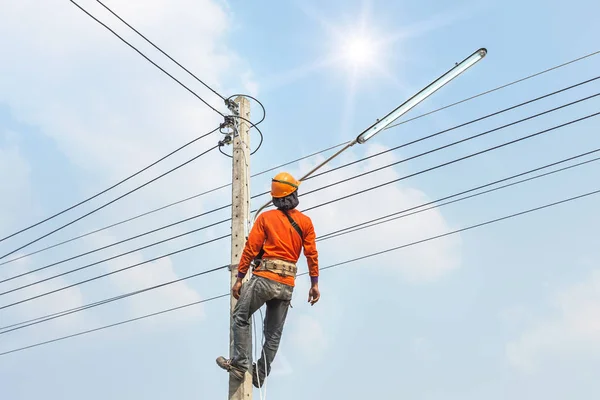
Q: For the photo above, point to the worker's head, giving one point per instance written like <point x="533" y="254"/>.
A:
<point x="284" y="190"/>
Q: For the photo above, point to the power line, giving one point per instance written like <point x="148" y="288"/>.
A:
<point x="110" y="202"/>
<point x="440" y="202"/>
<point x="148" y="59"/>
<point x="159" y="49"/>
<point x="449" y="145"/>
<point x="455" y="103"/>
<point x="340" y="232"/>
<point x="318" y="189"/>
<point x="455" y="160"/>
<point x="109" y="188"/>
<point x="117" y="324"/>
<point x="35" y="321"/>
<point x="331" y="201"/>
<point x="499" y="87"/>
<point x="334" y="169"/>
<point x="144" y="214"/>
<point x="462" y="229"/>
<point x="310" y="208"/>
<point x="112" y="272"/>
<point x="322" y="269"/>
<point x="461" y="125"/>
<point x="96" y="262"/>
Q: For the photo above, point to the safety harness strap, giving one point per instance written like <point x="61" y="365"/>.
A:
<point x="294" y="224"/>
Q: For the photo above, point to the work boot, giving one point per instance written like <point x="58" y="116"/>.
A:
<point x="226" y="365"/>
<point x="255" y="381"/>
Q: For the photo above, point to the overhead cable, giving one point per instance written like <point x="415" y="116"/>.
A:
<point x="148" y="59"/>
<point x="109" y="188"/>
<point x="454" y="161"/>
<point x="341" y="181"/>
<point x="340" y="232"/>
<point x="465" y="124"/>
<point x="159" y="49"/>
<point x="440" y="202"/>
<point x="325" y="203"/>
<point x="112" y="272"/>
<point x="344" y="165"/>
<point x="304" y="194"/>
<point x="110" y="202"/>
<point x="389" y="250"/>
<point x="184" y="68"/>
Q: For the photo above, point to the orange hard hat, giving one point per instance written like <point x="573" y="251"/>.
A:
<point x="283" y="184"/>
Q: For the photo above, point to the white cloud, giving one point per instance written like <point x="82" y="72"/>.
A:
<point x="59" y="301"/>
<point x="420" y="263"/>
<point x="152" y="274"/>
<point x="111" y="112"/>
<point x="572" y="331"/>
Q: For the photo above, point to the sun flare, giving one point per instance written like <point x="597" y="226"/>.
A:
<point x="358" y="52"/>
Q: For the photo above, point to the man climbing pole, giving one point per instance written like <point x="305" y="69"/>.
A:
<point x="273" y="246"/>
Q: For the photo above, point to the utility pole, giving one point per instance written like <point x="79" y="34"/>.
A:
<point x="240" y="217"/>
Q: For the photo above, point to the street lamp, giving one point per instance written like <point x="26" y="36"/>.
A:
<point x="422" y="95"/>
<point x="382" y="124"/>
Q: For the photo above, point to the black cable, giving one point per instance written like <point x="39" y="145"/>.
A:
<point x="147" y="59"/>
<point x="110" y="202"/>
<point x="460" y="126"/>
<point x="448" y="145"/>
<point x="307" y="193"/>
<point x="264" y="111"/>
<point x="96" y="262"/>
<point x="118" y="323"/>
<point x="333" y="169"/>
<point x="39" y="320"/>
<point x="310" y="208"/>
<point x="252" y="125"/>
<point x="110" y="188"/>
<point x="189" y="72"/>
<point x="117" y="243"/>
<point x="454" y="161"/>
<point x="438" y="203"/>
<point x="112" y="272"/>
<point x="45" y="318"/>
<point x="344" y="197"/>
<point x="450" y="105"/>
<point x="340" y="232"/>
<point x="159" y="49"/>
<point x="321" y="269"/>
<point x="463" y="229"/>
<point x="153" y="211"/>
<point x="498" y="88"/>
<point x="51" y="317"/>
<point x="448" y="130"/>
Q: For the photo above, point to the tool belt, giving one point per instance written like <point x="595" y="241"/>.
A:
<point x="280" y="267"/>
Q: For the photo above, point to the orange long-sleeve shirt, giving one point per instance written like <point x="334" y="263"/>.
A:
<point x="275" y="234"/>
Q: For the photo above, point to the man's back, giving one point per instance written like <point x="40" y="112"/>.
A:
<point x="279" y="240"/>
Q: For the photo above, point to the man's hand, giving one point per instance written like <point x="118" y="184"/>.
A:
<point x="235" y="290"/>
<point x="314" y="295"/>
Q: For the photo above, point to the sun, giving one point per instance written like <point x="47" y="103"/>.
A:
<point x="359" y="52"/>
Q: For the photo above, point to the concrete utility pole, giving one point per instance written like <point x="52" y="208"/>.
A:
<point x="240" y="216"/>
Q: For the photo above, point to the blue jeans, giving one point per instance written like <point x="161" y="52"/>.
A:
<point x="253" y="295"/>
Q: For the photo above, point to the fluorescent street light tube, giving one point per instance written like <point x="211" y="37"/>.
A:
<point x="422" y="95"/>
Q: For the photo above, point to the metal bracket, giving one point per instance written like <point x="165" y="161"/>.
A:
<point x="232" y="106"/>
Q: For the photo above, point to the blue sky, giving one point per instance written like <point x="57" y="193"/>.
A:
<point x="504" y="311"/>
